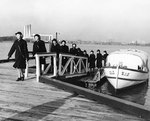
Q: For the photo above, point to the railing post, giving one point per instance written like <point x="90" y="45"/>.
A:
<point x="37" y="67"/>
<point x="27" y="69"/>
<point x="55" y="65"/>
<point x="71" y="65"/>
<point x="80" y="65"/>
<point x="60" y="64"/>
<point x="86" y="65"/>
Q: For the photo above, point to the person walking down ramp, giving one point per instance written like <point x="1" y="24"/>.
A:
<point x="21" y="55"/>
<point x="38" y="47"/>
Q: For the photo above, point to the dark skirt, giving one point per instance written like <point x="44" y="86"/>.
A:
<point x="20" y="62"/>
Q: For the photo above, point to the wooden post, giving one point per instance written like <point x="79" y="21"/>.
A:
<point x="60" y="64"/>
<point x="71" y="65"/>
<point x="55" y="65"/>
<point x="80" y="65"/>
<point x="86" y="65"/>
<point x="27" y="69"/>
<point x="49" y="45"/>
<point x="37" y="67"/>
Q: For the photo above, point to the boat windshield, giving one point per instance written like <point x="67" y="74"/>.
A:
<point x="125" y="60"/>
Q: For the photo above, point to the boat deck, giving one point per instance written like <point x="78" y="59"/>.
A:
<point x="32" y="101"/>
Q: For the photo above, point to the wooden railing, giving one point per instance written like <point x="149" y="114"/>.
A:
<point x="70" y="65"/>
<point x="64" y="65"/>
<point x="40" y="70"/>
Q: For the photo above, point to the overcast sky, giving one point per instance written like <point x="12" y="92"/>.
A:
<point x="100" y="20"/>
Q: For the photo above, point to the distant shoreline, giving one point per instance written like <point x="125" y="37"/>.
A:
<point x="13" y="38"/>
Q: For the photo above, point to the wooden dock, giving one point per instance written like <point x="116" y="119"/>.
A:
<point x="32" y="101"/>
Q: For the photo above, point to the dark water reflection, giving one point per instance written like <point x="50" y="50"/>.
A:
<point x="136" y="94"/>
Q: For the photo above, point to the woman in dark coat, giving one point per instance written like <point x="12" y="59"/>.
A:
<point x="92" y="60"/>
<point x="21" y="55"/>
<point x="55" y="48"/>
<point x="105" y="57"/>
<point x="85" y="55"/>
<point x="74" y="50"/>
<point x="64" y="49"/>
<point x="38" y="47"/>
<point x="99" y="59"/>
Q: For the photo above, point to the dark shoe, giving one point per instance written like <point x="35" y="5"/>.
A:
<point x="18" y="79"/>
<point x="22" y="78"/>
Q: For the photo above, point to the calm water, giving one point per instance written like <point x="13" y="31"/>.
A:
<point x="139" y="94"/>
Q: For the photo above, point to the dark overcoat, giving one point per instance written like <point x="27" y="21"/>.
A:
<point x="99" y="60"/>
<point x="55" y="48"/>
<point x="104" y="58"/>
<point x="92" y="60"/>
<point x="39" y="46"/>
<point x="73" y="51"/>
<point x="64" y="49"/>
<point x="21" y="53"/>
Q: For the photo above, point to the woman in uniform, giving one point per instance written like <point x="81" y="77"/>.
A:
<point x="21" y="55"/>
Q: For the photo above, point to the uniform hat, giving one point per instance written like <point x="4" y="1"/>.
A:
<point x="18" y="33"/>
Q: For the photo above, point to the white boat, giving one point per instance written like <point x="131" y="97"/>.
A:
<point x="126" y="68"/>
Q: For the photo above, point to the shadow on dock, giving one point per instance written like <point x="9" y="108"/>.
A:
<point x="40" y="111"/>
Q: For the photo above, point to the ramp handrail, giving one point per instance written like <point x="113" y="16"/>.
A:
<point x="72" y="64"/>
<point x="38" y="70"/>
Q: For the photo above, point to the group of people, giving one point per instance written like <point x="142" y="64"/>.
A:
<point x="98" y="60"/>
<point x="21" y="53"/>
<point x="95" y="61"/>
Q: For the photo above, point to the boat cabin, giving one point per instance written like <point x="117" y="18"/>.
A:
<point x="130" y="59"/>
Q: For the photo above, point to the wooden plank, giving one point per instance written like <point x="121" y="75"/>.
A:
<point x="129" y="107"/>
<point x="32" y="101"/>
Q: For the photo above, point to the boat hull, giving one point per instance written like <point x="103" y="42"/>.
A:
<point x="121" y="78"/>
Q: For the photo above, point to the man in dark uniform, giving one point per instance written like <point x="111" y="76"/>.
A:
<point x="21" y="55"/>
